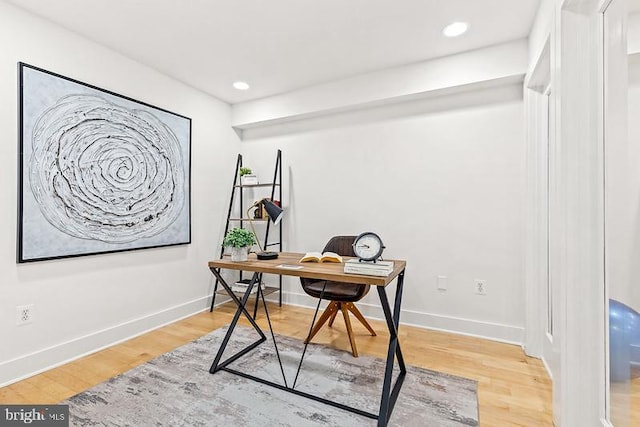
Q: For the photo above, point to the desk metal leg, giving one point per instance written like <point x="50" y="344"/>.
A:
<point x="273" y="337"/>
<point x="390" y="396"/>
<point x="306" y="341"/>
<point x="255" y="307"/>
<point x="217" y="365"/>
<point x="213" y="296"/>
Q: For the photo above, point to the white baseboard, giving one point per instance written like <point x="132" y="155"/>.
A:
<point x="48" y="358"/>
<point x="42" y="360"/>
<point x="487" y="330"/>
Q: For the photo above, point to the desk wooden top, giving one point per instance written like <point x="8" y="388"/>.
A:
<point x="314" y="270"/>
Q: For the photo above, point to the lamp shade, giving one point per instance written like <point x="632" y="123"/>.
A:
<point x="274" y="211"/>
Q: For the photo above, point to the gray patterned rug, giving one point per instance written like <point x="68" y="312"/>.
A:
<point x="176" y="389"/>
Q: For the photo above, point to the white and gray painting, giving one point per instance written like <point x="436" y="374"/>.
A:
<point x="100" y="172"/>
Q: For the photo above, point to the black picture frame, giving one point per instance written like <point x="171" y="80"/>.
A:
<point x="98" y="172"/>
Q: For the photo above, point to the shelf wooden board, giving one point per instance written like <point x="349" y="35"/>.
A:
<point x="268" y="290"/>
<point x="247" y="219"/>
<point x="256" y="185"/>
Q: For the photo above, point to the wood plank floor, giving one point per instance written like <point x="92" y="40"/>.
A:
<point x="513" y="389"/>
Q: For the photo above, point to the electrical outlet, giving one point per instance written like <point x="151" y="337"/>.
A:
<point x="24" y="314"/>
<point x="442" y="283"/>
<point x="481" y="287"/>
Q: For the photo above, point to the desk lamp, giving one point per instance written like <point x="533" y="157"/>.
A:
<point x="275" y="213"/>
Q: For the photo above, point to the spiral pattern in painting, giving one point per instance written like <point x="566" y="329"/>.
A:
<point x="104" y="172"/>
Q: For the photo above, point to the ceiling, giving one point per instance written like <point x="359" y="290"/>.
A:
<point x="282" y="45"/>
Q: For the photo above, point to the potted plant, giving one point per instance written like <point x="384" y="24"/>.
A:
<point x="240" y="240"/>
<point x="247" y="177"/>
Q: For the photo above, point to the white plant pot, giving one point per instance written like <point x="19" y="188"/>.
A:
<point x="239" y="254"/>
<point x="249" y="180"/>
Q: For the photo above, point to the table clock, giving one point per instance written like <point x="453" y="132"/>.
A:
<point x="368" y="246"/>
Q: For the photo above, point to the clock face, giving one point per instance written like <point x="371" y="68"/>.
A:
<point x="368" y="246"/>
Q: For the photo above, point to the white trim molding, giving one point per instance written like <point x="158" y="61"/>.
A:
<point x="487" y="330"/>
<point x="580" y="397"/>
<point x="48" y="358"/>
<point x="536" y="204"/>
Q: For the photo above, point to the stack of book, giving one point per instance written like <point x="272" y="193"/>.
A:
<point x="241" y="286"/>
<point x="378" y="268"/>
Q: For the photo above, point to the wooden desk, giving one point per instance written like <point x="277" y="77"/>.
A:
<point x="323" y="271"/>
<point x="313" y="270"/>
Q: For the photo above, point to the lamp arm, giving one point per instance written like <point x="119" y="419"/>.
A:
<point x="252" y="227"/>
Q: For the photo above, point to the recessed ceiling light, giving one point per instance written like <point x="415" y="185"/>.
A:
<point x="455" y="29"/>
<point x="241" y="85"/>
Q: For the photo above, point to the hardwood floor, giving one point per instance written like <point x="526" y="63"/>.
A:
<point x="513" y="389"/>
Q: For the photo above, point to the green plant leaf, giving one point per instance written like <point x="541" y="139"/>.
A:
<point x="239" y="238"/>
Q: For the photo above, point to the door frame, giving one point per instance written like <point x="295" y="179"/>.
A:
<point x="577" y="103"/>
<point x="579" y="63"/>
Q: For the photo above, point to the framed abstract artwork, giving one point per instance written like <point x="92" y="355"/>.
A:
<point x="98" y="172"/>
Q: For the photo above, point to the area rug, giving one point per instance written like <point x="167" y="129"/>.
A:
<point x="176" y="389"/>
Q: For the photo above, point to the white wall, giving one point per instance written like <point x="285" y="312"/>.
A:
<point x="633" y="33"/>
<point x="440" y="180"/>
<point x="84" y="303"/>
<point x="430" y="156"/>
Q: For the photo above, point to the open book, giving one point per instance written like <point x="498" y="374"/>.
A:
<point x="318" y="257"/>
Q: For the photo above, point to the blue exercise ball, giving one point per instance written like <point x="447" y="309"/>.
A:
<point x="624" y="330"/>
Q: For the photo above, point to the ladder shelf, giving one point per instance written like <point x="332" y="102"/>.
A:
<point x="237" y="216"/>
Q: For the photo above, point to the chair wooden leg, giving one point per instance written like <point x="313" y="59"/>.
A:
<point x="352" y="307"/>
<point x="329" y="314"/>
<point x="331" y="310"/>
<point x="333" y="317"/>
<point x="347" y="322"/>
